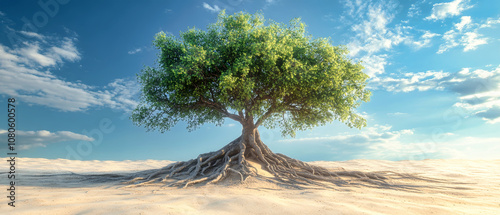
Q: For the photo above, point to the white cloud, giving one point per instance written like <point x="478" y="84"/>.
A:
<point x="372" y="31"/>
<point x="378" y="139"/>
<point x="66" y="51"/>
<point x="397" y="114"/>
<point x="414" y="9"/>
<point x="490" y="22"/>
<point x="121" y="94"/>
<point x="369" y="135"/>
<point x="447" y="147"/>
<point x="491" y="115"/>
<point x="26" y="75"/>
<point x="473" y="148"/>
<point x="480" y="94"/>
<point x="32" y="53"/>
<point x="137" y="50"/>
<point x="465" y="22"/>
<point x="448" y="9"/>
<point x="450" y="41"/>
<point x="371" y="22"/>
<point x="478" y="90"/>
<point x="376" y="34"/>
<point x="374" y="64"/>
<point x="32" y="34"/>
<point x="465" y="34"/>
<point x="471" y="40"/>
<point x="383" y="143"/>
<point x="32" y="139"/>
<point x="213" y="9"/>
<point x="421" y="81"/>
<point x="41" y="53"/>
<point x="424" y="40"/>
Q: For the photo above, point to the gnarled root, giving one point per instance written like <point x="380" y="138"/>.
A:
<point x="215" y="166"/>
<point x="207" y="168"/>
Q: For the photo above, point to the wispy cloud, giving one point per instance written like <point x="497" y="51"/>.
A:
<point x="471" y="40"/>
<point x="374" y="64"/>
<point x="464" y="23"/>
<point x="480" y="94"/>
<point x="214" y="9"/>
<point x="121" y="94"/>
<point x="137" y="50"/>
<point x="42" y="138"/>
<point x="384" y="142"/>
<point x="38" y="52"/>
<point x="397" y="114"/>
<point x="490" y="22"/>
<point x="32" y="34"/>
<point x="446" y="147"/>
<point x="478" y="90"/>
<point x="414" y="9"/>
<point x="448" y="9"/>
<point x="421" y="81"/>
<point x="423" y="41"/>
<point x="372" y="31"/>
<point x="361" y="145"/>
<point x="465" y="34"/>
<point x="370" y="21"/>
<point x="376" y="33"/>
<point x="25" y="72"/>
<point x="369" y="135"/>
<point x="66" y="51"/>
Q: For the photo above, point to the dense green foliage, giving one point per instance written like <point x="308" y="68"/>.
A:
<point x="250" y="70"/>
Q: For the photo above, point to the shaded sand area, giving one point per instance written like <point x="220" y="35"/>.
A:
<point x="77" y="187"/>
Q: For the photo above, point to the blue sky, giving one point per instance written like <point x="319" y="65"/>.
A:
<point x="434" y="74"/>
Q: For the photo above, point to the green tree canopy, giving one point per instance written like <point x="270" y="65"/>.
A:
<point x="254" y="71"/>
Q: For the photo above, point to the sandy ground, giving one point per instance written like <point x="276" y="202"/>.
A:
<point x="58" y="187"/>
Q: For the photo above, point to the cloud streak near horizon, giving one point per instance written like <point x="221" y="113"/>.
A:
<point x="42" y="138"/>
<point x="477" y="90"/>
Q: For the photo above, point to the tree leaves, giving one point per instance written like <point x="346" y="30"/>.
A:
<point x="246" y="70"/>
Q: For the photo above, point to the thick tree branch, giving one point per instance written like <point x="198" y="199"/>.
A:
<point x="233" y="117"/>
<point x="264" y="117"/>
<point x="221" y="109"/>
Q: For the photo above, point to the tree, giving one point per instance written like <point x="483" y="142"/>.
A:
<point x="270" y="75"/>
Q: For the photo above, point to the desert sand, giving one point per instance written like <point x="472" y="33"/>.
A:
<point x="61" y="186"/>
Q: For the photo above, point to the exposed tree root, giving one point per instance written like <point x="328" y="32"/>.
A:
<point x="233" y="158"/>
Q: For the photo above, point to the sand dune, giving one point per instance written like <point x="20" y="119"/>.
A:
<point x="64" y="187"/>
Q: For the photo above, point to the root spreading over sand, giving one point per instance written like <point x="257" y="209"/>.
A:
<point x="241" y="158"/>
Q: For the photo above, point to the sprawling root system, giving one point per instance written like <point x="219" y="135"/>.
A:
<point x="234" y="159"/>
